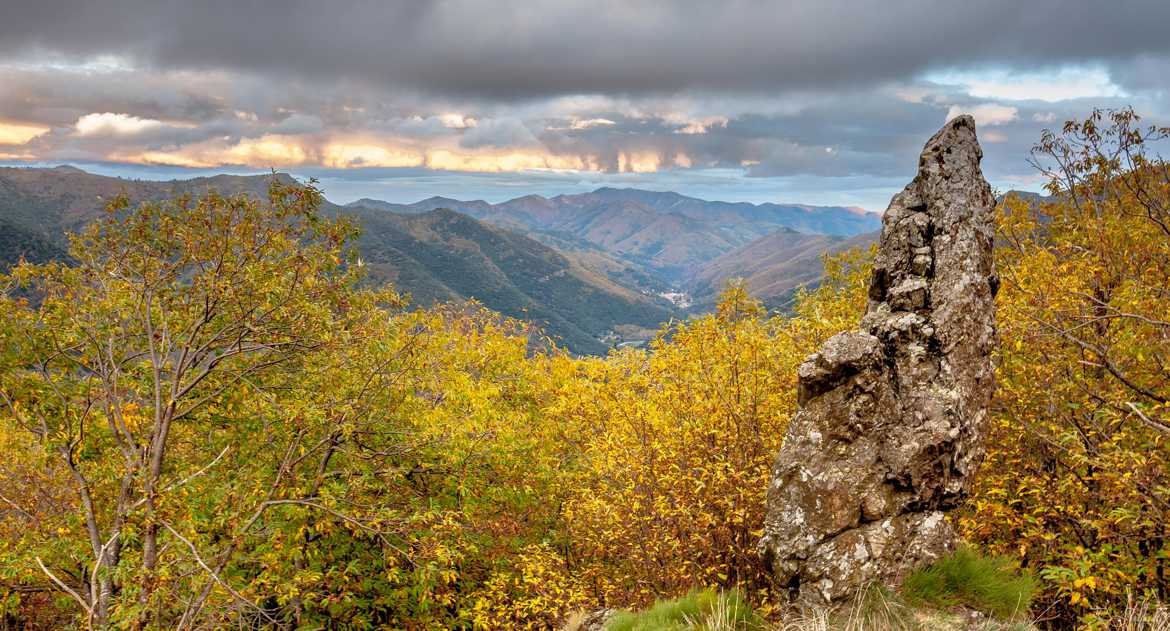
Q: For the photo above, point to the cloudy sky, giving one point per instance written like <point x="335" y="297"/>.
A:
<point x="814" y="101"/>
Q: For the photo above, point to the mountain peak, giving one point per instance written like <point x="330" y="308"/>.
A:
<point x="443" y="212"/>
<point x="69" y="168"/>
<point x="640" y="192"/>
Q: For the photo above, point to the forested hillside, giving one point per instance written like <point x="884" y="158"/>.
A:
<point x="211" y="418"/>
<point x="442" y="256"/>
<point x="773" y="267"/>
<point x="18" y="242"/>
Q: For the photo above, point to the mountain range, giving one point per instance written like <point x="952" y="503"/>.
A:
<point x="592" y="269"/>
<point x="666" y="234"/>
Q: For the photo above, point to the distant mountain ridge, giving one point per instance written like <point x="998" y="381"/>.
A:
<point x="53" y="202"/>
<point x="672" y="234"/>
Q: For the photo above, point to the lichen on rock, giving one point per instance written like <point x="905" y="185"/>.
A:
<point x="893" y="417"/>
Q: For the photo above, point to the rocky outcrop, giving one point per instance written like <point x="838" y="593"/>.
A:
<point x="591" y="621"/>
<point x="893" y="417"/>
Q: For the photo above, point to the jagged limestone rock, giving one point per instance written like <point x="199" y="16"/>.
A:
<point x="893" y="417"/>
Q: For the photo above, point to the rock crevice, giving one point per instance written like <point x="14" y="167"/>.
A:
<point x="893" y="416"/>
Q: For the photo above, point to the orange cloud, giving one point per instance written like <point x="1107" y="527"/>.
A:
<point x="447" y="160"/>
<point x="266" y="151"/>
<point x="642" y="162"/>
<point x="166" y="158"/>
<point x="358" y="151"/>
<point x="342" y="156"/>
<point x="18" y="134"/>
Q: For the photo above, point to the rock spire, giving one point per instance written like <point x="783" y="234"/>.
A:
<point x="893" y="416"/>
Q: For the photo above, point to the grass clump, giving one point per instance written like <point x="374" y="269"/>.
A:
<point x="703" y="610"/>
<point x="1142" y="615"/>
<point x="873" y="608"/>
<point x="965" y="578"/>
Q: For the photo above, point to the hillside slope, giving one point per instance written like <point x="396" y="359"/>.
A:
<point x="19" y="242"/>
<point x="443" y="255"/>
<point x="773" y="266"/>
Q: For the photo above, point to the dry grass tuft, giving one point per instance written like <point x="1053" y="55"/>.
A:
<point x="1143" y="615"/>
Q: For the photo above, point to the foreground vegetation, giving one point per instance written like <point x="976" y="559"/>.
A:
<point x="207" y="421"/>
<point x="967" y="579"/>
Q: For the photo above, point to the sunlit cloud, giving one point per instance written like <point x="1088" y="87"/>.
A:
<point x="698" y="126"/>
<point x="18" y="134"/>
<point x="272" y="150"/>
<point x="1069" y="82"/>
<point x="514" y="161"/>
<point x="638" y="162"/>
<point x="264" y="152"/>
<point x="457" y="121"/>
<point x="163" y="158"/>
<point x="591" y="122"/>
<point x="988" y="114"/>
<point x="912" y="94"/>
<point x="91" y="64"/>
<point x="344" y="156"/>
<point x="111" y="123"/>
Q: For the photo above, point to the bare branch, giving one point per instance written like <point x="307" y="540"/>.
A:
<point x="1151" y="423"/>
<point x="215" y="576"/>
<point x="68" y="590"/>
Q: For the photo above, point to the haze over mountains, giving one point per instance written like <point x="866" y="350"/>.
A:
<point x="591" y="269"/>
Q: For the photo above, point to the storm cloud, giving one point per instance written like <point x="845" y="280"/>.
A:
<point x="739" y="92"/>
<point x="510" y="49"/>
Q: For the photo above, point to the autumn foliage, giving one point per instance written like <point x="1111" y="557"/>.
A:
<point x="208" y="420"/>
<point x="1077" y="481"/>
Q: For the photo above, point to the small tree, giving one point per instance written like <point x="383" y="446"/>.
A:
<point x="126" y="376"/>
